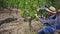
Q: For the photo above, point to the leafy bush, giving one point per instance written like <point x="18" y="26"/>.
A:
<point x="29" y="6"/>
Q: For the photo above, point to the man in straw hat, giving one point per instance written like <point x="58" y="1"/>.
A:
<point x="49" y="28"/>
<point x="51" y="11"/>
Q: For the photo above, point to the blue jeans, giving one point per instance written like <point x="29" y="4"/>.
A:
<point x="41" y="32"/>
<point x="46" y="30"/>
<point x="57" y="26"/>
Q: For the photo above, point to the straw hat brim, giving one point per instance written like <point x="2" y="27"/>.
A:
<point x="50" y="10"/>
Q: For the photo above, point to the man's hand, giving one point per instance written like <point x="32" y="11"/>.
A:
<point x="42" y="8"/>
<point x="38" y="9"/>
<point x="36" y="15"/>
<point x="43" y="16"/>
<point x="39" y="16"/>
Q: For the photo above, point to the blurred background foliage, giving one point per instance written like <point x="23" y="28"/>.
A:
<point x="28" y="7"/>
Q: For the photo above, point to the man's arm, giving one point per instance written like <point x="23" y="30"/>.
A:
<point x="44" y="21"/>
<point x="44" y="8"/>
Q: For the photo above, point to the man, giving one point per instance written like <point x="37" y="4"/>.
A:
<point x="50" y="12"/>
<point x="58" y="21"/>
<point x="50" y="27"/>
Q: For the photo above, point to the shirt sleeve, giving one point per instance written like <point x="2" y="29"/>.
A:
<point x="46" y="21"/>
<point x="53" y="17"/>
<point x="43" y="8"/>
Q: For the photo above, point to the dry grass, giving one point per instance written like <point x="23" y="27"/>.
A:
<point x="19" y="27"/>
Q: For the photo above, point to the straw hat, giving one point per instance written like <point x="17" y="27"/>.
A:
<point x="51" y="9"/>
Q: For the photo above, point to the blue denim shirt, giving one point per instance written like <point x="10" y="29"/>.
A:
<point x="50" y="21"/>
<point x="52" y="17"/>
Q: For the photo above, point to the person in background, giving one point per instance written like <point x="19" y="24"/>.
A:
<point x="49" y="28"/>
<point x="58" y="21"/>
